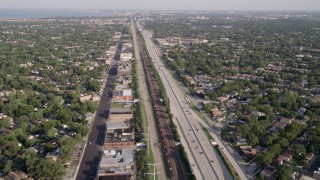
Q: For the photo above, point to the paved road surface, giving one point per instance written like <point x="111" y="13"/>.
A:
<point x="92" y="153"/>
<point x="215" y="131"/>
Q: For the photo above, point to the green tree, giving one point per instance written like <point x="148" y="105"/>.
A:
<point x="299" y="150"/>
<point x="275" y="149"/>
<point x="49" y="169"/>
<point x="284" y="173"/>
<point x="267" y="158"/>
<point x="11" y="148"/>
<point x="8" y="166"/>
<point x="52" y="132"/>
<point x="253" y="139"/>
<point x="5" y="122"/>
<point x="71" y="98"/>
<point x="93" y="86"/>
<point x="31" y="161"/>
<point x="23" y="109"/>
<point x="284" y="142"/>
<point x="65" y="152"/>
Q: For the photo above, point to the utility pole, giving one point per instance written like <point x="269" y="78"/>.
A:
<point x="147" y="139"/>
<point x="154" y="171"/>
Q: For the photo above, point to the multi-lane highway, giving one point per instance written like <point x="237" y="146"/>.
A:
<point x="204" y="161"/>
<point x="92" y="153"/>
<point x="190" y="122"/>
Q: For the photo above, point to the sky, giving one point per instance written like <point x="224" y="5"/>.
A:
<point x="300" y="5"/>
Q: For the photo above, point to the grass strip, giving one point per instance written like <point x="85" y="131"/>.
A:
<point x="206" y="131"/>
<point x="228" y="164"/>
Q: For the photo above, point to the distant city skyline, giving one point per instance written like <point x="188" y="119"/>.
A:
<point x="296" y="5"/>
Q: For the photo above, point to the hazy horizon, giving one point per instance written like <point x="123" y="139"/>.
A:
<point x="210" y="5"/>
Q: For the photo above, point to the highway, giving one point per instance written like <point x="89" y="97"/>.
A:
<point x="92" y="153"/>
<point x="229" y="153"/>
<point x="204" y="161"/>
<point x="144" y="95"/>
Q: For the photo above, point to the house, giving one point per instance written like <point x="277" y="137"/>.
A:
<point x="245" y="101"/>
<point x="285" y="156"/>
<point x="191" y="81"/>
<point x="257" y="113"/>
<point x="21" y="174"/>
<point x="12" y="176"/>
<point x="223" y="98"/>
<point x="302" y="141"/>
<point x="200" y="91"/>
<point x="233" y="94"/>
<point x="286" y="120"/>
<point x="16" y="175"/>
<point x="241" y="141"/>
<point x="279" y="160"/>
<point x="217" y="114"/>
<point x="52" y="155"/>
<point x="279" y="125"/>
<point x="268" y="172"/>
<point x="309" y="156"/>
<point x="84" y="98"/>
<point x="315" y="98"/>
<point x="95" y="98"/>
<point x="248" y="150"/>
<point x="32" y="149"/>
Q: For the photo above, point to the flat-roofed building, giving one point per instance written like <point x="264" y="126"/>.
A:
<point x="120" y="114"/>
<point x="124" y="69"/>
<point x="117" y="162"/>
<point x="124" y="95"/>
<point x="126" y="56"/>
<point x="120" y="135"/>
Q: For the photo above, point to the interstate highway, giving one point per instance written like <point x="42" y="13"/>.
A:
<point x="204" y="161"/>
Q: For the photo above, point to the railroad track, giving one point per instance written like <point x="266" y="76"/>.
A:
<point x="174" y="169"/>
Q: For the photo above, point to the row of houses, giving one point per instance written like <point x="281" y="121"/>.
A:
<point x="119" y="147"/>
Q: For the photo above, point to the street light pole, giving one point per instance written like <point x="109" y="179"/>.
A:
<point x="148" y="140"/>
<point x="154" y="171"/>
